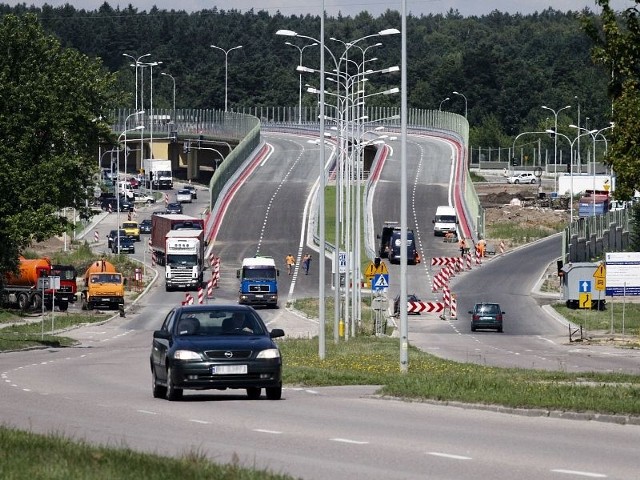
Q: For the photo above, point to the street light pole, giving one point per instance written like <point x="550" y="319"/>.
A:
<point x="226" y="69"/>
<point x="445" y="100"/>
<point x="465" y="102"/>
<point x="300" y="49"/>
<point x="174" y="92"/>
<point x="136" y="64"/>
<point x="139" y="127"/>
<point x="555" y="141"/>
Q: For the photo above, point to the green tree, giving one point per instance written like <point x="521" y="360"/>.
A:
<point x="617" y="49"/>
<point x="52" y="116"/>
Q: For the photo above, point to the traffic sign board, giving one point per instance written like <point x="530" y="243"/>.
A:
<point x="600" y="284"/>
<point x="372" y="270"/>
<point x="585" y="300"/>
<point x="601" y="272"/>
<point x="380" y="282"/>
<point x="584" y="286"/>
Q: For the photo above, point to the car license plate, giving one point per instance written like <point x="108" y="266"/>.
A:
<point x="259" y="296"/>
<point x="228" y="369"/>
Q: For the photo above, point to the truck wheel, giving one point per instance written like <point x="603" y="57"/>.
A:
<point x="23" y="301"/>
<point x="63" y="305"/>
<point x="36" y="301"/>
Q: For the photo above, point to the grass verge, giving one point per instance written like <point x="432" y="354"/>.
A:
<point x="26" y="456"/>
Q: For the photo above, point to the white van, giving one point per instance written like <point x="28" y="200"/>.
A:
<point x="445" y="220"/>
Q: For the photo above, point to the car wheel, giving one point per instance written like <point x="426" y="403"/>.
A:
<point x="254" y="393"/>
<point x="499" y="329"/>
<point x="159" y="391"/>
<point x="473" y="328"/>
<point x="274" y="393"/>
<point x="533" y="181"/>
<point x="516" y="181"/>
<point x="173" y="393"/>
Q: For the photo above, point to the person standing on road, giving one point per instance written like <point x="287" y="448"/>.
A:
<point x="306" y="263"/>
<point x="290" y="261"/>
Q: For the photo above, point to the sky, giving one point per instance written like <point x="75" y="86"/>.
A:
<point x="345" y="7"/>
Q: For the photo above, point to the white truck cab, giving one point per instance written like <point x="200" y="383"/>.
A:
<point x="446" y="220"/>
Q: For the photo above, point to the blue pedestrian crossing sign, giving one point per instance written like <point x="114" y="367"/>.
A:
<point x="584" y="286"/>
<point x="380" y="282"/>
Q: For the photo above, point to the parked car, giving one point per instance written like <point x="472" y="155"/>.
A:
<point x="127" y="245"/>
<point x="192" y="189"/>
<point x="410" y="298"/>
<point x="145" y="226"/>
<point x="526" y="177"/>
<point x="112" y="236"/>
<point x="183" y="196"/>
<point x="174" y="208"/>
<point x="215" y="346"/>
<point x="486" y="316"/>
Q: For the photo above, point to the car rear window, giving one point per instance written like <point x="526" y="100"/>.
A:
<point x="491" y="309"/>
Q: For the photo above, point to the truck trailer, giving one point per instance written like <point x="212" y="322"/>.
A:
<point x="184" y="259"/>
<point x="29" y="289"/>
<point x="258" y="282"/>
<point x="161" y="225"/>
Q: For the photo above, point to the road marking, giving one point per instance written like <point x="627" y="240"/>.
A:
<point x="346" y="440"/>
<point x="579" y="473"/>
<point x="261" y="430"/>
<point x="203" y="422"/>
<point x="449" y="455"/>
<point x="147" y="412"/>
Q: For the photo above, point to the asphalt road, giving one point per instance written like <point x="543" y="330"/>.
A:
<point x="101" y="391"/>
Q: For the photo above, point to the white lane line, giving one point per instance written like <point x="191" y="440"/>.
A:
<point x="147" y="412"/>
<point x="203" y="422"/>
<point x="262" y="430"/>
<point x="346" y="440"/>
<point x="579" y="473"/>
<point x="449" y="455"/>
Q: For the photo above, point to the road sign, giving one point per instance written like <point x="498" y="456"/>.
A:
<point x="585" y="300"/>
<point x="372" y="270"/>
<point x="380" y="282"/>
<point x="601" y="272"/>
<point x="342" y="262"/>
<point x="584" y="286"/>
<point x="417" y="307"/>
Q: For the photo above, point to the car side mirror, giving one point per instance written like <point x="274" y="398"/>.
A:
<point x="471" y="312"/>
<point x="163" y="334"/>
<point x="276" y="332"/>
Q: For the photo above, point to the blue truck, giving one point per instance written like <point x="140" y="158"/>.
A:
<point x="258" y="282"/>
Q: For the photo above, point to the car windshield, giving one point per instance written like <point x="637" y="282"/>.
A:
<point x="489" y="309"/>
<point x="219" y="323"/>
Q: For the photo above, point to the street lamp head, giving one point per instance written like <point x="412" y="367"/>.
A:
<point x="395" y="68"/>
<point x="302" y="68"/>
<point x="391" y="91"/>
<point x="550" y="130"/>
<point x="389" y="31"/>
<point x="287" y="33"/>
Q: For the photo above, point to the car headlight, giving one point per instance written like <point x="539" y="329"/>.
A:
<point x="269" y="353"/>
<point x="186" y="355"/>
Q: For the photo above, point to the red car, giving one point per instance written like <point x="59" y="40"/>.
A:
<point x="133" y="181"/>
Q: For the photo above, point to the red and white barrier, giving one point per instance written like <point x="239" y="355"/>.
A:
<point x="501" y="247"/>
<point x="210" y="288"/>
<point x="96" y="236"/>
<point x="166" y="199"/>
<point x="188" y="299"/>
<point x="418" y="307"/>
<point x="200" y="295"/>
<point x="453" y="308"/>
<point x="468" y="261"/>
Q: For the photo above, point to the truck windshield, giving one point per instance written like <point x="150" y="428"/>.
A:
<point x="187" y="260"/>
<point x="163" y="173"/>
<point x="259" y="273"/>
<point x="446" y="219"/>
<point x="106" y="278"/>
<point x="65" y="273"/>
